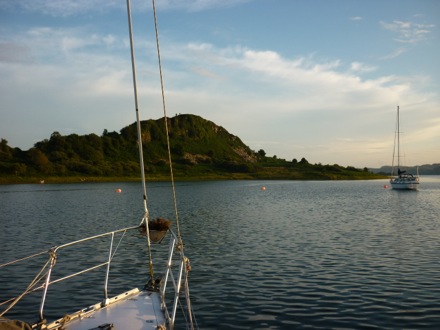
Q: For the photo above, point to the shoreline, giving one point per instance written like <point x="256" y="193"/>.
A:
<point x="232" y="176"/>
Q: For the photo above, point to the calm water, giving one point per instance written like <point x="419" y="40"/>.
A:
<point x="317" y="255"/>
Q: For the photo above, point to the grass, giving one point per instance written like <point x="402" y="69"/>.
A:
<point x="263" y="174"/>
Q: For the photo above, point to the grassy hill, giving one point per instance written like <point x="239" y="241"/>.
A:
<point x="200" y="150"/>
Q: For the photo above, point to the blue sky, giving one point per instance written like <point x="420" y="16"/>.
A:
<point x="319" y="79"/>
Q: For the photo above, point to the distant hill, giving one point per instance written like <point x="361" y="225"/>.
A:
<point x="427" y="169"/>
<point x="200" y="149"/>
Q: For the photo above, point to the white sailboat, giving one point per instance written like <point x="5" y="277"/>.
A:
<point x="403" y="180"/>
<point x="154" y="305"/>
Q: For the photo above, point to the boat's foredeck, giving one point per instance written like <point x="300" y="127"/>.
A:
<point x="134" y="309"/>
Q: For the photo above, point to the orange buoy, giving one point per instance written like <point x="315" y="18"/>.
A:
<point x="263" y="188"/>
<point x="385" y="186"/>
<point x="118" y="190"/>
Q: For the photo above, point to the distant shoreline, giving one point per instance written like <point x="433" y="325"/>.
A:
<point x="237" y="176"/>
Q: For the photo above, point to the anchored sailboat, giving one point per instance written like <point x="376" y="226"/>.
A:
<point x="403" y="180"/>
<point x="153" y="306"/>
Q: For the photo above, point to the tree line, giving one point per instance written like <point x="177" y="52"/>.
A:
<point x="199" y="148"/>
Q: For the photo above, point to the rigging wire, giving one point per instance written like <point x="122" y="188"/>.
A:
<point x="179" y="236"/>
<point x="39" y="277"/>
<point x="398" y="140"/>
<point x="166" y="125"/>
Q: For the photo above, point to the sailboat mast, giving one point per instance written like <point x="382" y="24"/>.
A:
<point x="398" y="140"/>
<point x="139" y="133"/>
<point x="138" y="122"/>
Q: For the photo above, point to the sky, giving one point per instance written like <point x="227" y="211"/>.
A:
<point x="319" y="79"/>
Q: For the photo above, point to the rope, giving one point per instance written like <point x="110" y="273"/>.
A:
<point x="22" y="259"/>
<point x="188" y="299"/>
<point x="166" y="126"/>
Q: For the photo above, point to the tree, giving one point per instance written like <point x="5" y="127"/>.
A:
<point x="20" y="168"/>
<point x="55" y="135"/>
<point x="40" y="160"/>
<point x="5" y="150"/>
<point x="303" y="161"/>
<point x="262" y="153"/>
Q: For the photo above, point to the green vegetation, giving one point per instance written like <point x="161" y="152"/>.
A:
<point x="200" y="150"/>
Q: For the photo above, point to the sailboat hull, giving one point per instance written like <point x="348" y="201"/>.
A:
<point x="404" y="184"/>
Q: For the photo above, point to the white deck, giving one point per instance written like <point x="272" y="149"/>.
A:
<point x="134" y="309"/>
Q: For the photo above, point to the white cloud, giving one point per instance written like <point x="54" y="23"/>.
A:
<point x="303" y="75"/>
<point x="396" y="53"/>
<point x="64" y="42"/>
<point x="408" y="32"/>
<point x="361" y="67"/>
